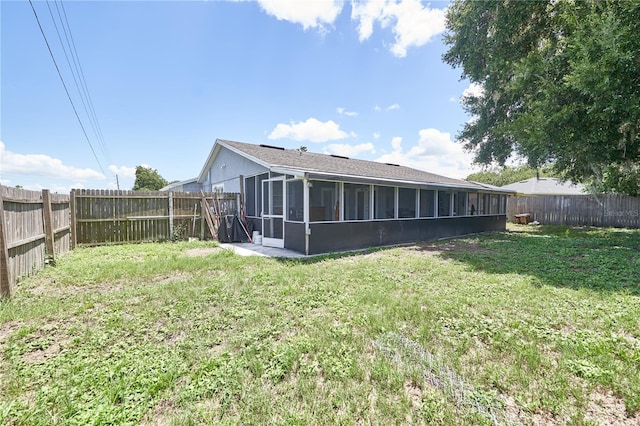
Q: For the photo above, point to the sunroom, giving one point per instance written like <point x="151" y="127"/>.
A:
<point x="318" y="203"/>
<point x="314" y="215"/>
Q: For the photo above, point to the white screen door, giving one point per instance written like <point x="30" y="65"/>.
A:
<point x="273" y="212"/>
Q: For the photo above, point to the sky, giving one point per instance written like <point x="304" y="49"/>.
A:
<point x="155" y="83"/>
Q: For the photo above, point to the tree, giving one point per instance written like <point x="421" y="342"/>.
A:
<point x="560" y="84"/>
<point x="148" y="179"/>
<point x="506" y="175"/>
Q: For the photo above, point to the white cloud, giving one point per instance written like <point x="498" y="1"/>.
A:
<point x="434" y="152"/>
<point x="391" y="107"/>
<point x="396" y="143"/>
<point x="311" y="130"/>
<point x="474" y="89"/>
<point x="350" y="150"/>
<point x="43" y="165"/>
<point x="413" y="24"/>
<point x="376" y="135"/>
<point x="54" y="187"/>
<point x="124" y="171"/>
<point x="343" y="111"/>
<point x="366" y="13"/>
<point x="309" y="14"/>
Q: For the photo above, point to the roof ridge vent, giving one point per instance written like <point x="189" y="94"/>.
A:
<point x="339" y="156"/>
<point x="271" y="146"/>
<point x="392" y="164"/>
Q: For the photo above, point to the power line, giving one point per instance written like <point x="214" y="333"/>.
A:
<point x="83" y="81"/>
<point x="64" y="50"/>
<point x="84" y="94"/>
<point x="65" y="88"/>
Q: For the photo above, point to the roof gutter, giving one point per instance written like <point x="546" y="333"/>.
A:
<point x="365" y="179"/>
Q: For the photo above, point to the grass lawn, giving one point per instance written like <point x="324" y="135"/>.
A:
<point x="532" y="326"/>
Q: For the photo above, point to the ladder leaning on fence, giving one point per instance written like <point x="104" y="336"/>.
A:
<point x="211" y="215"/>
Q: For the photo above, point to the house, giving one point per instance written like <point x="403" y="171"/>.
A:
<point x="545" y="186"/>
<point x="189" y="185"/>
<point x="317" y="203"/>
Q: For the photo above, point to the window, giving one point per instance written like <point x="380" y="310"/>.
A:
<point x="356" y="202"/>
<point x="494" y="204"/>
<point x="295" y="200"/>
<point x="406" y="202"/>
<point x="459" y="203"/>
<point x="323" y="201"/>
<point x="250" y="196"/>
<point x="259" y="180"/>
<point x="472" y="203"/>
<point x="427" y="203"/>
<point x="444" y="203"/>
<point x="483" y="202"/>
<point x="384" y="202"/>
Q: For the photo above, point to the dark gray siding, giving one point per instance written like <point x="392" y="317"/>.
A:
<point x="340" y="236"/>
<point x="255" y="224"/>
<point x="294" y="236"/>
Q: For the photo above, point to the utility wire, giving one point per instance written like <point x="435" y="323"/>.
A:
<point x="65" y="88"/>
<point x="75" y="80"/>
<point x="83" y="81"/>
<point x="78" y="76"/>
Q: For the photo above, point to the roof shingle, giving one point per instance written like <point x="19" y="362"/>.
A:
<point x="309" y="162"/>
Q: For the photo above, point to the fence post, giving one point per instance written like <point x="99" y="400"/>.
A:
<point x="5" y="276"/>
<point x="74" y="222"/>
<point x="202" y="220"/>
<point x="170" y="215"/>
<point x="47" y="215"/>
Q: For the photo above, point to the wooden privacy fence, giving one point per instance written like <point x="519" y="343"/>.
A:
<point x="619" y="211"/>
<point x="108" y="217"/>
<point x="34" y="228"/>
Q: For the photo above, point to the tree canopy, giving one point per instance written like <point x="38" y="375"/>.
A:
<point x="506" y="175"/>
<point x="560" y="84"/>
<point x="148" y="179"/>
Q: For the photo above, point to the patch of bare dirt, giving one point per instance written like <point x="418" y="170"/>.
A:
<point x="514" y="415"/>
<point x="176" y="338"/>
<point x="414" y="393"/>
<point x="5" y="331"/>
<point x="202" y="252"/>
<point x="604" y="408"/>
<point x="58" y="343"/>
<point x="51" y="288"/>
<point x="435" y="249"/>
<point x="7" y="328"/>
<point x="161" y="413"/>
<point x="166" y="279"/>
<point x="633" y="341"/>
<point x="41" y="355"/>
<point x="216" y="350"/>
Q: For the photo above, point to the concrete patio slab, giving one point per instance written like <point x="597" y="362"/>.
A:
<point x="249" y="249"/>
